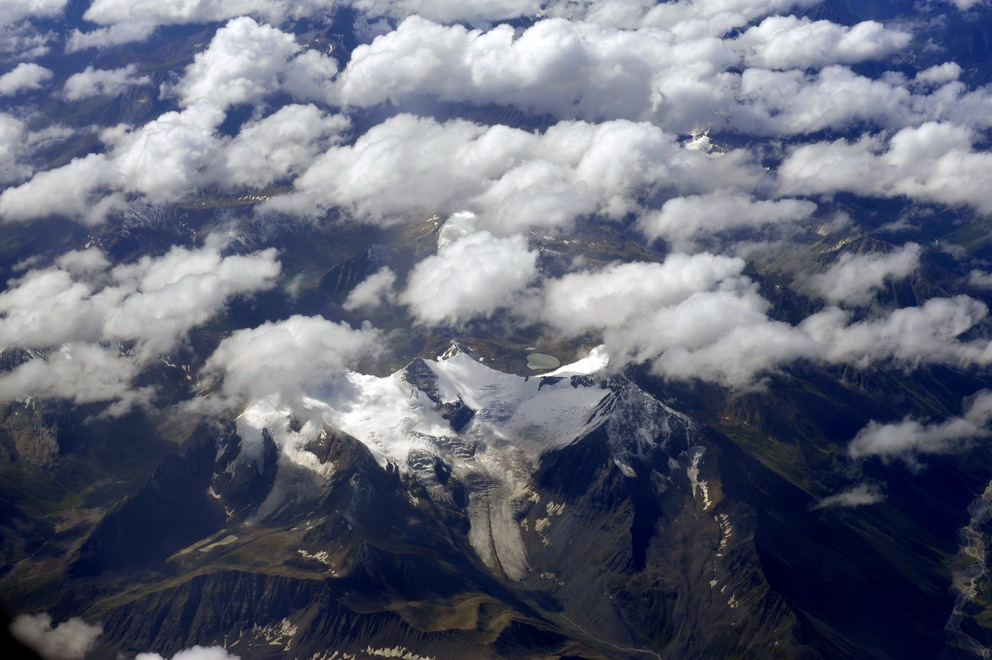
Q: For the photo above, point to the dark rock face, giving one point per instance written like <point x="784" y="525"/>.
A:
<point x="632" y="548"/>
<point x="654" y="534"/>
<point x="455" y="413"/>
<point x="243" y="484"/>
<point x="171" y="511"/>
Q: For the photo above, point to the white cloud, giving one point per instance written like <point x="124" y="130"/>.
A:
<point x="692" y="17"/>
<point x="17" y="143"/>
<point x="980" y="279"/>
<point x="107" y="82"/>
<point x="787" y="42"/>
<point x="713" y="17"/>
<point x="791" y="102"/>
<point x="933" y="162"/>
<point x="18" y="10"/>
<point x="565" y="68"/>
<point x="181" y="289"/>
<point x="166" y="159"/>
<point x="153" y="301"/>
<point x="680" y="81"/>
<point x="964" y="5"/>
<point x="114" y="35"/>
<point x="71" y="190"/>
<point x="513" y="180"/>
<point x="84" y="305"/>
<point x="280" y="145"/>
<point x="910" y="336"/>
<point x="170" y="158"/>
<point x="722" y="336"/>
<point x="860" y="495"/>
<point x="22" y="42"/>
<point x="469" y="278"/>
<point x="12" y="149"/>
<point x="373" y="291"/>
<point x="25" y="76"/>
<point x="939" y="74"/>
<point x="688" y="18"/>
<point x="446" y="11"/>
<point x="909" y="438"/>
<point x="247" y="61"/>
<point x="698" y="317"/>
<point x="853" y="278"/>
<point x="690" y="317"/>
<point x="69" y="640"/>
<point x="287" y="359"/>
<point x="170" y="12"/>
<point x="622" y="292"/>
<point x="194" y="653"/>
<point x="684" y="219"/>
<point x="81" y="373"/>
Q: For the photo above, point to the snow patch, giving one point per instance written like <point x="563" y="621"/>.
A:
<point x="397" y="652"/>
<point x="280" y="634"/>
<point x="701" y="487"/>
<point x="726" y="531"/>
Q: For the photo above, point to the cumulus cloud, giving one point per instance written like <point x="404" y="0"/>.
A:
<point x="787" y="42"/>
<point x="712" y="17"/>
<point x="18" y="10"/>
<point x="910" y="336"/>
<point x="964" y="5"/>
<point x="247" y="61"/>
<point x="860" y="495"/>
<point x="853" y="278"/>
<point x="69" y="640"/>
<point x="106" y="82"/>
<point x="980" y="279"/>
<point x="82" y="306"/>
<point x="446" y="11"/>
<point x="153" y="301"/>
<point x="280" y="145"/>
<point x="171" y="12"/>
<point x="792" y="102"/>
<point x="17" y="143"/>
<point x="114" y="35"/>
<point x="170" y="158"/>
<point x="694" y="17"/>
<point x="23" y="41"/>
<point x="25" y="76"/>
<point x="690" y="317"/>
<point x="940" y="73"/>
<point x="80" y="373"/>
<point x="512" y="179"/>
<point x="72" y="190"/>
<point x="287" y="359"/>
<point x="909" y="438"/>
<point x="698" y="317"/>
<point x="933" y="162"/>
<point x="684" y="219"/>
<point x="194" y="653"/>
<point x="166" y="158"/>
<point x="373" y="291"/>
<point x="469" y="278"/>
<point x="565" y="68"/>
<point x="619" y="293"/>
<point x="679" y="80"/>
